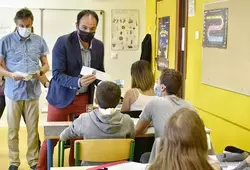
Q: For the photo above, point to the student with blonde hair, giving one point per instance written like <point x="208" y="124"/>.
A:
<point x="184" y="144"/>
<point x="142" y="87"/>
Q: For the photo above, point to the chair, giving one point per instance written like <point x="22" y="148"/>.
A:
<point x="64" y="144"/>
<point x="104" y="150"/>
<point x="101" y="150"/>
<point x="133" y="114"/>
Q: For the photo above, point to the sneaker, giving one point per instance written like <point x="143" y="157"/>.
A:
<point x="33" y="167"/>
<point x="13" y="167"/>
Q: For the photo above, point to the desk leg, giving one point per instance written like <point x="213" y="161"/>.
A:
<point x="49" y="154"/>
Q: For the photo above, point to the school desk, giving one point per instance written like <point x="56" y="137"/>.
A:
<point x="52" y="130"/>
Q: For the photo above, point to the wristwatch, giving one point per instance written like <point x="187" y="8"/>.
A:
<point x="41" y="73"/>
<point x="46" y="85"/>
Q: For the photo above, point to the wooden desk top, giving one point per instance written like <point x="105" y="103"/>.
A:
<point x="52" y="130"/>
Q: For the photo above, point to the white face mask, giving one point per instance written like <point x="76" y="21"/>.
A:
<point x="24" y="32"/>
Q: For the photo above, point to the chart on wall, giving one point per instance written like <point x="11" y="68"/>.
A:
<point x="125" y="30"/>
<point x="215" y="28"/>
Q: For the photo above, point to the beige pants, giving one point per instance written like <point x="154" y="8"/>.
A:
<point x="31" y="113"/>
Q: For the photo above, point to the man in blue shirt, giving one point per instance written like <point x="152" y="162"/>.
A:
<point x="21" y="51"/>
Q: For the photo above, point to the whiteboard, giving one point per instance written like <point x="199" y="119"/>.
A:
<point x="7" y="24"/>
<point x="58" y="22"/>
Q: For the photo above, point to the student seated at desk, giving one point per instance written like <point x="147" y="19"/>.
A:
<point x="159" y="109"/>
<point x="142" y="88"/>
<point x="105" y="121"/>
<point x="183" y="145"/>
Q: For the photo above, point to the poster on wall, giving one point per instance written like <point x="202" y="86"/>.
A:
<point x="162" y="63"/>
<point x="125" y="30"/>
<point x="215" y="28"/>
<point x="163" y="37"/>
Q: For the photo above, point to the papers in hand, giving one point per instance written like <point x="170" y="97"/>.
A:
<point x="99" y="74"/>
<point x="25" y="75"/>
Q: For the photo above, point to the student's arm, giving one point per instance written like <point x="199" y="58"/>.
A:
<point x="76" y="129"/>
<point x="144" y="120"/>
<point x="126" y="101"/>
<point x="141" y="127"/>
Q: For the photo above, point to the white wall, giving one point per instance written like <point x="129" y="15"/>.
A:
<point x="118" y="68"/>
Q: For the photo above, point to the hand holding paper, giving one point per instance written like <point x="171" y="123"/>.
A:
<point x="99" y="74"/>
<point x="87" y="79"/>
<point x="20" y="76"/>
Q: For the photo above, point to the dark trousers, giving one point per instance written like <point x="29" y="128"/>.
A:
<point x="2" y="105"/>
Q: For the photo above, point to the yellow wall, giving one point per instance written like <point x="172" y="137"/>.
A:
<point x="221" y="110"/>
<point x="226" y="113"/>
<point x="150" y="22"/>
<point x="164" y="8"/>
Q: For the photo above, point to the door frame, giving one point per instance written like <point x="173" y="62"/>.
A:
<point x="180" y="55"/>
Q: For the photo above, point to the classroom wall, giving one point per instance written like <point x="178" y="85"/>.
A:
<point x="164" y="8"/>
<point x="226" y="113"/>
<point x="150" y="25"/>
<point x="119" y="68"/>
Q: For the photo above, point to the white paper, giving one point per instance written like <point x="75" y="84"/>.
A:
<point x="229" y="165"/>
<point x="191" y="8"/>
<point x="99" y="74"/>
<point x="25" y="75"/>
<point x="129" y="166"/>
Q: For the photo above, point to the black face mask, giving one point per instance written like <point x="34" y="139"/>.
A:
<point x="86" y="36"/>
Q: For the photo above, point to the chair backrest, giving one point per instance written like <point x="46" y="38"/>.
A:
<point x="133" y="114"/>
<point x="104" y="150"/>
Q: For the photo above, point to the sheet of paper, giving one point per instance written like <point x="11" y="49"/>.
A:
<point x="229" y="165"/>
<point x="102" y="76"/>
<point x="25" y="75"/>
<point x="129" y="166"/>
<point x="191" y="8"/>
<point x="99" y="74"/>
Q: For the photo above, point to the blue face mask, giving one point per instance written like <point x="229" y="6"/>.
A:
<point x="157" y="92"/>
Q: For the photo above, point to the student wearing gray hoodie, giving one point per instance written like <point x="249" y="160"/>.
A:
<point x="105" y="121"/>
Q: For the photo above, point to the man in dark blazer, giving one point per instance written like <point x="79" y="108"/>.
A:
<point x="69" y="93"/>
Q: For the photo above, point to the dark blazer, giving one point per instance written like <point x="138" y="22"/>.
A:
<point x="146" y="49"/>
<point x="66" y="68"/>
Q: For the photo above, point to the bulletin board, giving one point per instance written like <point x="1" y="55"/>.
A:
<point x="228" y="66"/>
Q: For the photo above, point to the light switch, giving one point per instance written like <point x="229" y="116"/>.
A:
<point x="197" y="35"/>
<point x="114" y="55"/>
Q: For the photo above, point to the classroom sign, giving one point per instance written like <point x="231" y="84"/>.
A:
<point x="215" y="28"/>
